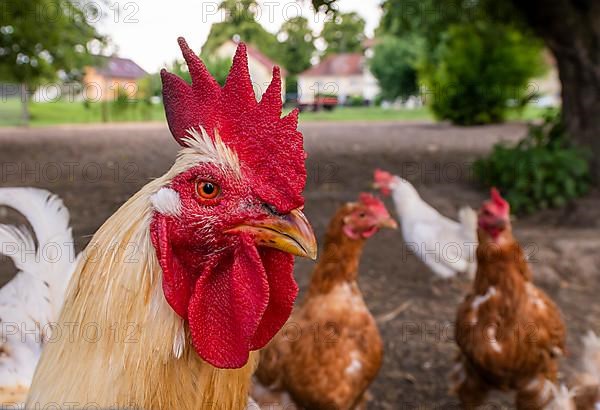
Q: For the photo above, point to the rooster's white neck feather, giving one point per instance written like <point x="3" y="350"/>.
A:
<point x="121" y="342"/>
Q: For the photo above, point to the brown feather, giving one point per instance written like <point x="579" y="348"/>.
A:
<point x="330" y="350"/>
<point x="509" y="331"/>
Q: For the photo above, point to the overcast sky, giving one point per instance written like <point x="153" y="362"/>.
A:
<point x="146" y="30"/>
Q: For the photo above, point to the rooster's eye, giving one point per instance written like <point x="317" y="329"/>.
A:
<point x="207" y="190"/>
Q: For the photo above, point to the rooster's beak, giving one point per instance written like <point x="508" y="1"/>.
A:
<point x="290" y="233"/>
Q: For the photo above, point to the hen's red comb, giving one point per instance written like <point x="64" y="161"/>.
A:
<point x="496" y="205"/>
<point x="497" y="199"/>
<point x="270" y="148"/>
<point x="373" y="203"/>
<point x="382" y="176"/>
<point x="369" y="199"/>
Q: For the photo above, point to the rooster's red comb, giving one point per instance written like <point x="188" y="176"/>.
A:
<point x="270" y="148"/>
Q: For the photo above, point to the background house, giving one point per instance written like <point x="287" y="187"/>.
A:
<point x="343" y="75"/>
<point x="103" y="82"/>
<point x="259" y="65"/>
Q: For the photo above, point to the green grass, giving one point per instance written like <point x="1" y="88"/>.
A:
<point x="62" y="112"/>
<point x="55" y="113"/>
<point x="367" y="114"/>
<point x="419" y="114"/>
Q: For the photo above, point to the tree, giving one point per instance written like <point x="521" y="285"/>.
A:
<point x="479" y="70"/>
<point x="240" y="20"/>
<point x="39" y="38"/>
<point x="569" y="29"/>
<point x="239" y="11"/>
<point x="394" y="64"/>
<point x="344" y="33"/>
<point x="297" y="45"/>
<point x="217" y="66"/>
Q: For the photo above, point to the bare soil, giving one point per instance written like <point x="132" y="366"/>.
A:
<point x="95" y="169"/>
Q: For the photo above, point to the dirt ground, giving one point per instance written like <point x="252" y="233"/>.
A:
<point x="96" y="168"/>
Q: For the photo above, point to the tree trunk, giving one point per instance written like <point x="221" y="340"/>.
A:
<point x="24" y="104"/>
<point x="571" y="30"/>
<point x="581" y="104"/>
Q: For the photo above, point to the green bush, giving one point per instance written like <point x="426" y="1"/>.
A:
<point x="291" y="84"/>
<point x="479" y="70"/>
<point x="355" y="101"/>
<point x="542" y="170"/>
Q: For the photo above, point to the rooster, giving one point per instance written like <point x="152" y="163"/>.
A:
<point x="445" y="246"/>
<point x="509" y="332"/>
<point x="330" y="351"/>
<point x="31" y="301"/>
<point x="193" y="274"/>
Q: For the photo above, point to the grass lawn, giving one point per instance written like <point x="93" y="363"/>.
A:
<point x="367" y="114"/>
<point x="76" y="113"/>
<point x="62" y="112"/>
<point x="421" y="114"/>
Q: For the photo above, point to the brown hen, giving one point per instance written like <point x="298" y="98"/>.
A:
<point x="509" y="332"/>
<point x="330" y="350"/>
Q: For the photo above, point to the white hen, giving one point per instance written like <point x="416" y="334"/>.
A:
<point x="587" y="383"/>
<point x="447" y="247"/>
<point x="30" y="302"/>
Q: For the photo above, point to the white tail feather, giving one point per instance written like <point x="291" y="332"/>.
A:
<point x="45" y="211"/>
<point x="468" y="219"/>
<point x="53" y="261"/>
<point x="591" y="356"/>
<point x="32" y="299"/>
<point x="18" y="244"/>
<point x="562" y="397"/>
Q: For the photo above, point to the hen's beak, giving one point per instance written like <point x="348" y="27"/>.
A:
<point x="388" y="222"/>
<point x="498" y="223"/>
<point x="290" y="233"/>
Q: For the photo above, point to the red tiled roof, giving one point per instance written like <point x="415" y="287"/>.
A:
<point x="337" y="65"/>
<point x="263" y="59"/>
<point x="370" y="42"/>
<point x="117" y="67"/>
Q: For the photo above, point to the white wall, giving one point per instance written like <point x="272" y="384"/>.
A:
<point x="364" y="85"/>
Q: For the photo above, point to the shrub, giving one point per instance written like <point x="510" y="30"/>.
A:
<point x="542" y="170"/>
<point x="478" y="70"/>
<point x="122" y="104"/>
<point x="355" y="101"/>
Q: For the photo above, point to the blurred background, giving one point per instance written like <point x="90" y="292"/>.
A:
<point x="99" y="61"/>
<point x="455" y="96"/>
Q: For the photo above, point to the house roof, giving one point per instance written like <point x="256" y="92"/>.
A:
<point x="370" y="42"/>
<point x="337" y="65"/>
<point x="117" y="67"/>
<point x="261" y="58"/>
